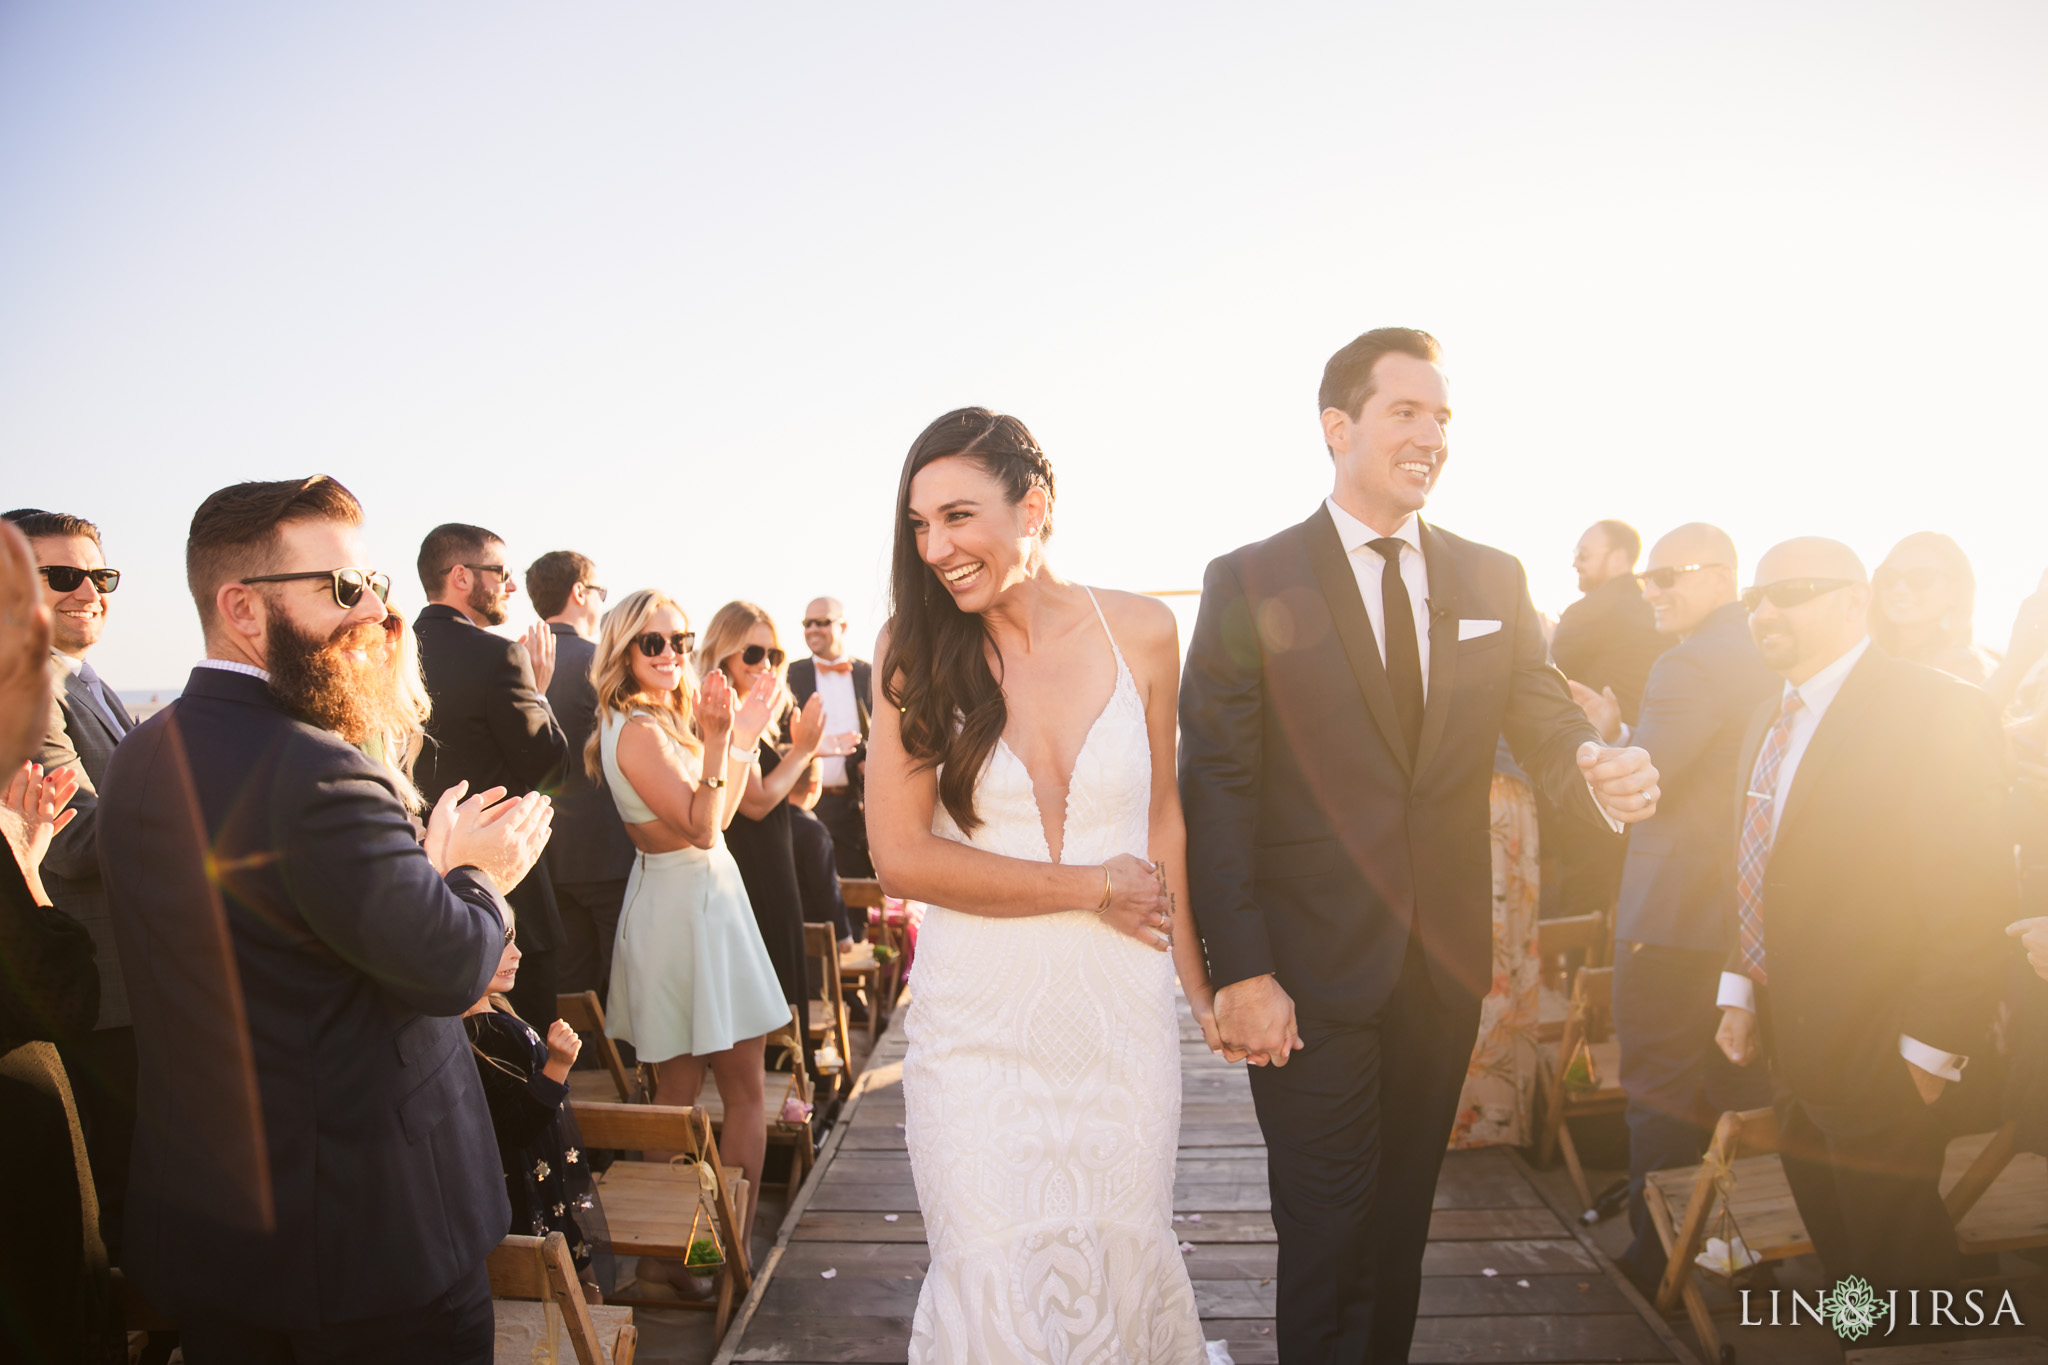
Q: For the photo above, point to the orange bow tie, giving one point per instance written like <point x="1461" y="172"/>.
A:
<point x="827" y="666"/>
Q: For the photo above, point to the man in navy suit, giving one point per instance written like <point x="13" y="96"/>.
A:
<point x="314" y="1176"/>
<point x="1676" y="917"/>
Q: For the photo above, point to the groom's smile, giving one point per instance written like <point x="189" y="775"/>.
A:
<point x="1391" y="450"/>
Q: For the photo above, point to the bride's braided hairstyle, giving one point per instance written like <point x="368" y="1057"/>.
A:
<point x="937" y="672"/>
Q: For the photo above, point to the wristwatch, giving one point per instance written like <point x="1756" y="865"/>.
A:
<point x="714" y="782"/>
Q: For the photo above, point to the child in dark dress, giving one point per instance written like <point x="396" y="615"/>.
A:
<point x="547" y="1176"/>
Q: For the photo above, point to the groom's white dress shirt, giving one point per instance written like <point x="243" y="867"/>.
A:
<point x="1371" y="571"/>
<point x="1818" y="693"/>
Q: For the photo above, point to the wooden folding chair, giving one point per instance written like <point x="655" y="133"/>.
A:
<point x="801" y="1142"/>
<point x="1998" y="1201"/>
<point x="540" y="1302"/>
<point x="825" y="1018"/>
<point x="1588" y="1031"/>
<point x="863" y="969"/>
<point x="1562" y="947"/>
<point x="582" y="1012"/>
<point x="651" y="1206"/>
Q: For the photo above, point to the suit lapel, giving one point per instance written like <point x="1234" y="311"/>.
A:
<point x="1858" y="690"/>
<point x="1443" y="641"/>
<point x="83" y="708"/>
<point x="1354" y="628"/>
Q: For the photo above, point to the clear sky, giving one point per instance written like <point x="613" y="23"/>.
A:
<point x="676" y="284"/>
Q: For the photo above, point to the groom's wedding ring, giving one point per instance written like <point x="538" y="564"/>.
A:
<point x="1642" y="798"/>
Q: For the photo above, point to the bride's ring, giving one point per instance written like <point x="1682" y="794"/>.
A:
<point x="1642" y="798"/>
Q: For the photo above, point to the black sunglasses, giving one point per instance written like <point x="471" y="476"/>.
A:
<point x="348" y="584"/>
<point x="1922" y="579"/>
<point x="65" y="578"/>
<point x="818" y="622"/>
<point x="753" y="654"/>
<point x="1787" y="593"/>
<point x="594" y="588"/>
<point x="499" y="569"/>
<point x="1668" y="575"/>
<point x="654" y="642"/>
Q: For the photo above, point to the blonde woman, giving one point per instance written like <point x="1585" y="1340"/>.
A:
<point x="396" y="742"/>
<point x="742" y="644"/>
<point x="692" y="986"/>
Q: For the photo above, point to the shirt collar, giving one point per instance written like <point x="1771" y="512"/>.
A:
<point x="1356" y="535"/>
<point x="235" y="666"/>
<point x="1818" y="692"/>
<point x="75" y="667"/>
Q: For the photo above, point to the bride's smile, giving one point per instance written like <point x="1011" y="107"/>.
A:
<point x="973" y="538"/>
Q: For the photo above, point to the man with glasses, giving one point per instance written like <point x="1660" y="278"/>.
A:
<point x="1873" y="880"/>
<point x="491" y="724"/>
<point x="1675" y="919"/>
<point x="847" y="685"/>
<point x="590" y="856"/>
<point x="86" y="723"/>
<point x="314" y="1173"/>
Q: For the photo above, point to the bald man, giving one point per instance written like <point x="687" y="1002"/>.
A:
<point x="847" y="685"/>
<point x="1675" y="919"/>
<point x="1874" y="878"/>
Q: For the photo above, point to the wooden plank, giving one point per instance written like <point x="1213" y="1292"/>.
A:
<point x="1603" y="1336"/>
<point x="823" y="1337"/>
<point x="1557" y="1257"/>
<point x="2027" y="1350"/>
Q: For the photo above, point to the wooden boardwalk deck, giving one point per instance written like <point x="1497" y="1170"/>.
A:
<point x="1506" y="1279"/>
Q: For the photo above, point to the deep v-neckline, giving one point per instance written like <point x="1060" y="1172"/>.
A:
<point x="1080" y="755"/>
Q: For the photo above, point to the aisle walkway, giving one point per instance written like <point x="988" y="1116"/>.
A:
<point x="1506" y="1279"/>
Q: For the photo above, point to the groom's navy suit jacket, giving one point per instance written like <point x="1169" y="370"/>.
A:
<point x="1314" y="846"/>
<point x="312" y="1145"/>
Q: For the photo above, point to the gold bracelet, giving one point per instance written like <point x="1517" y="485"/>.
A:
<point x="1106" y="893"/>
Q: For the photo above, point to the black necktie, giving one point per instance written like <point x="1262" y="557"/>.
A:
<point x="1404" y="655"/>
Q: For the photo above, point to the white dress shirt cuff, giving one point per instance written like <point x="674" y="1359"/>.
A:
<point x="1737" y="992"/>
<point x="1612" y="823"/>
<point x="1628" y="735"/>
<point x="1947" y="1065"/>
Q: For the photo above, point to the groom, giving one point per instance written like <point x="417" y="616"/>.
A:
<point x="1346" y="689"/>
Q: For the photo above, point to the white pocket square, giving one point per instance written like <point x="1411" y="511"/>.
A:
<point x="1472" y="630"/>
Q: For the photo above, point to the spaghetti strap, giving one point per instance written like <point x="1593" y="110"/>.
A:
<point x="1113" y="648"/>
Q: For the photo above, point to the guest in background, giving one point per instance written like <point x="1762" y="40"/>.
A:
<point x="847" y="686"/>
<point x="589" y="857"/>
<point x="817" y="879"/>
<point x="307" y="1181"/>
<point x="491" y="726"/>
<point x="741" y="643"/>
<point x="85" y="725"/>
<point x="1923" y="607"/>
<point x="1869" y="914"/>
<point x="2020" y="683"/>
<point x="1605" y="641"/>
<point x="1676" y="918"/>
<point x="398" y="742"/>
<point x="1500" y="1084"/>
<point x="692" y="983"/>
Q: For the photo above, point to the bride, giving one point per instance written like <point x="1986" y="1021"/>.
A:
<point x="1022" y="777"/>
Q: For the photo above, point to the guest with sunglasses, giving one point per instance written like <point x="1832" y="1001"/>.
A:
<point x="847" y="685"/>
<point x="491" y="725"/>
<point x="1874" y="879"/>
<point x="692" y="983"/>
<point x="1923" y="605"/>
<point x="741" y="643"/>
<point x="86" y="724"/>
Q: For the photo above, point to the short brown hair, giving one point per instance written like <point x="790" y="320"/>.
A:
<point x="449" y="544"/>
<point x="37" y="524"/>
<point x="234" y="532"/>
<point x="1623" y="537"/>
<point x="549" y="579"/>
<point x="1347" y="379"/>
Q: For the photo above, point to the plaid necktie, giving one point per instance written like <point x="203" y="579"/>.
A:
<point x="1753" y="850"/>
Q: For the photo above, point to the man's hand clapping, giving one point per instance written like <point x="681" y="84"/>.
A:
<point x="1624" y="781"/>
<point x="504" y="840"/>
<point x="540" y="652"/>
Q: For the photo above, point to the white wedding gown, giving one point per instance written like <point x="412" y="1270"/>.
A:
<point x="1042" y="1094"/>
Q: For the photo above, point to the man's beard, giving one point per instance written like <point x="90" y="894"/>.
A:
<point x="487" y="602"/>
<point x="314" y="680"/>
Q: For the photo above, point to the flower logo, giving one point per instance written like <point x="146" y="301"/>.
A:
<point x="1853" y="1309"/>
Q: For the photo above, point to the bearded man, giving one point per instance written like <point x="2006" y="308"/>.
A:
<point x="314" y="1173"/>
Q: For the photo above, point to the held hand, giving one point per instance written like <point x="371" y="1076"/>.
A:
<point x="1600" y="707"/>
<point x="1203" y="1006"/>
<point x="1137" y="905"/>
<point x="506" y="840"/>
<point x="1256" y="1016"/>
<point x="714" y="712"/>
<point x="1624" y="781"/>
<point x="1737" y="1035"/>
<point x="540" y="651"/>
<point x="564" y="1046"/>
<point x="755" y="711"/>
<point x="2033" y="936"/>
<point x="33" y="808"/>
<point x="809" y="727"/>
<point x="1927" y="1083"/>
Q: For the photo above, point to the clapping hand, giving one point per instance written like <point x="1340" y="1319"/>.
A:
<point x="540" y="652"/>
<point x="755" y="710"/>
<point x="33" y="807"/>
<point x="713" y="712"/>
<point x="24" y="650"/>
<point x="807" y="731"/>
<point x="1624" y="781"/>
<point x="504" y="840"/>
<point x="1602" y="708"/>
<point x="564" y="1046"/>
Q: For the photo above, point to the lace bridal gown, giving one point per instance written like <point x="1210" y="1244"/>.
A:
<point x="1042" y="1090"/>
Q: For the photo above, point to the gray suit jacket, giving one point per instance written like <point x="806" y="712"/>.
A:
<point x="81" y="737"/>
<point x="589" y="842"/>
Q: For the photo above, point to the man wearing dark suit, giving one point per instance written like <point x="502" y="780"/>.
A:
<point x="491" y="725"/>
<point x="1874" y="879"/>
<point x="847" y="685"/>
<point x="315" y="1175"/>
<point x="87" y="720"/>
<point x="1347" y="686"/>
<point x="589" y="856"/>
<point x="1676" y="918"/>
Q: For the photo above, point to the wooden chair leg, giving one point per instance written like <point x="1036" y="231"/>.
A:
<point x="1572" y="1166"/>
<point x="1688" y="1291"/>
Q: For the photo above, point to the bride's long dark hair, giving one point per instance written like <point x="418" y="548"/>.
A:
<point x="937" y="672"/>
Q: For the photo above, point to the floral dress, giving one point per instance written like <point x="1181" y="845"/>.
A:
<point x="1500" y="1083"/>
